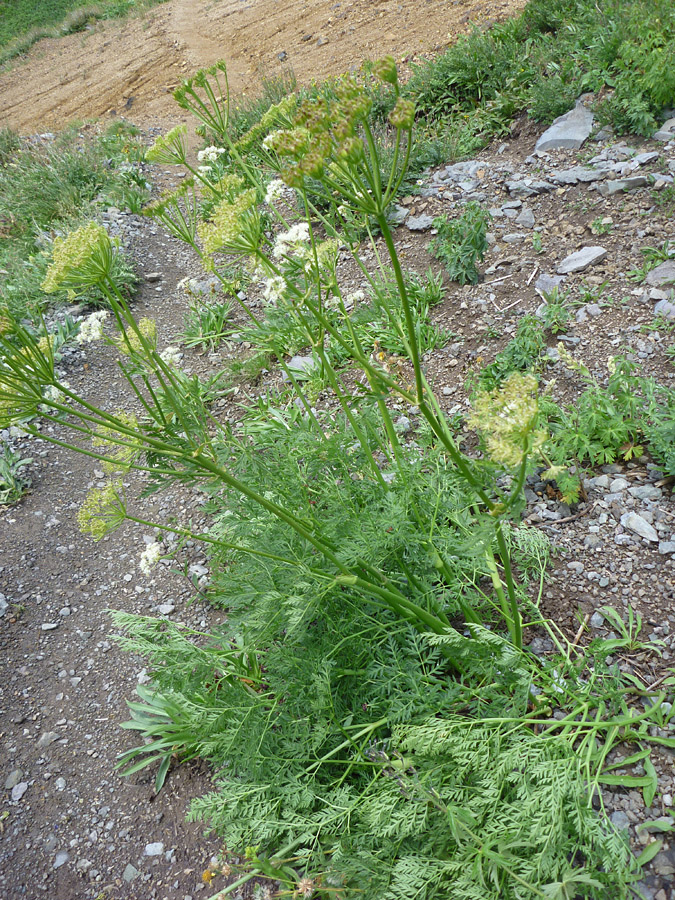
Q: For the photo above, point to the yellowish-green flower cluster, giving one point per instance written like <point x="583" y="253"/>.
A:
<point x="120" y="455"/>
<point x="403" y="114"/>
<point x="506" y="418"/>
<point x="103" y="510"/>
<point x="574" y="365"/>
<point x="230" y="220"/>
<point x="385" y="70"/>
<point x="131" y="341"/>
<point x="82" y="258"/>
<point x="6" y="323"/>
<point x="169" y="148"/>
<point x="279" y="114"/>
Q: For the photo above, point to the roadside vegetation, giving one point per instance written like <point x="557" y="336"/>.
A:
<point x="24" y="22"/>
<point x="376" y="724"/>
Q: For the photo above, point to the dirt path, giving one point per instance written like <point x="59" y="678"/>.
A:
<point x="130" y="68"/>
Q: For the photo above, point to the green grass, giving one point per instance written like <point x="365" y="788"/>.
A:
<point x="23" y="22"/>
<point x="47" y="189"/>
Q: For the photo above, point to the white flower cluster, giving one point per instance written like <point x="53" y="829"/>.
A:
<point x="171" y="356"/>
<point x="210" y="154"/>
<point x="274" y="289"/>
<point x="52" y="394"/>
<point x="352" y="299"/>
<point x="290" y="242"/>
<point x="91" y="329"/>
<point x="275" y="191"/>
<point x="150" y="557"/>
<point x="204" y="170"/>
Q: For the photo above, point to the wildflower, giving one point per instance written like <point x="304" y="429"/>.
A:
<point x="54" y="394"/>
<point x="403" y="114"/>
<point x="385" y="70"/>
<point x="134" y="339"/>
<point x="171" y="356"/>
<point x="210" y="154"/>
<point x="169" y="148"/>
<point x="91" y="329"/>
<point x="288" y="243"/>
<point x="353" y="299"/>
<point x="275" y="191"/>
<point x="205" y="170"/>
<point x="81" y="259"/>
<point x="506" y="417"/>
<point x="275" y="288"/>
<point x="150" y="557"/>
<point x="230" y="222"/>
<point x="103" y="510"/>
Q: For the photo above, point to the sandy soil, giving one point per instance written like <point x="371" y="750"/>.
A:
<point x="131" y="68"/>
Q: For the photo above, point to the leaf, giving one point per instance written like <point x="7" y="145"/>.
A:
<point x="649" y="790"/>
<point x="632" y="781"/>
<point x="649" y="852"/>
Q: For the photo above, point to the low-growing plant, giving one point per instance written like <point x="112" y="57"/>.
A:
<point x="461" y="243"/>
<point x="13" y="481"/>
<point x="205" y="324"/>
<point x="555" y="314"/>
<point x="523" y="353"/>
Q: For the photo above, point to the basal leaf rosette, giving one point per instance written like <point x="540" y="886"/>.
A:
<point x="506" y="419"/>
<point x="80" y="260"/>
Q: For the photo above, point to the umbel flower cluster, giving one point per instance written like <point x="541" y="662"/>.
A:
<point x="507" y="419"/>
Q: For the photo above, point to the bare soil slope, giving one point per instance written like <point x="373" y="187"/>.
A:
<point x="130" y="68"/>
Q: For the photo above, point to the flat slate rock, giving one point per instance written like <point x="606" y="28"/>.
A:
<point x="568" y="132"/>
<point x="666" y="132"/>
<point x="577" y="174"/>
<point x="527" y="187"/>
<point x="663" y="274"/>
<point x="581" y="260"/>
<point x="621" y="185"/>
<point x="419" y="223"/>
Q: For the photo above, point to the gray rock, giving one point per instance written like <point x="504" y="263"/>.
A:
<point x="663" y="274"/>
<point x="620" y="185"/>
<point x="13" y="779"/>
<point x="396" y="215"/>
<point x="49" y="626"/>
<point x="513" y="238"/>
<point x="526" y="218"/>
<point x="61" y="859"/>
<point x="4" y="605"/>
<point x="302" y="365"/>
<point x="165" y="609"/>
<point x="665" y="309"/>
<point x="581" y="260"/>
<point x="643" y="158"/>
<point x="666" y="132"/>
<point x="577" y="174"/>
<point x="528" y="188"/>
<point x="402" y="424"/>
<point x="597" y="620"/>
<point x="666" y="547"/>
<point x="154" y="849"/>
<point x="60" y="784"/>
<point x="569" y="131"/>
<point x="153" y="276"/>
<point x="546" y="284"/>
<point x="620" y="820"/>
<point x="664" y="862"/>
<point x="419" y="223"/>
<point x="130" y="873"/>
<point x="635" y="523"/>
<point x="462" y="170"/>
<point x="645" y="492"/>
<point x="19" y="790"/>
<point x="47" y="738"/>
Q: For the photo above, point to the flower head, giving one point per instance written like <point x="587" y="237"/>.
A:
<point x="171" y="356"/>
<point x="103" y="510"/>
<point x="289" y="243"/>
<point x="231" y="223"/>
<point x="91" y="328"/>
<point x="79" y="260"/>
<point x="210" y="154"/>
<point x="150" y="557"/>
<point x="275" y="288"/>
<point x="170" y="148"/>
<point x="506" y="417"/>
<point x="385" y="70"/>
<point x="403" y="114"/>
<point x="116" y="443"/>
<point x="275" y="191"/>
<point x="133" y="339"/>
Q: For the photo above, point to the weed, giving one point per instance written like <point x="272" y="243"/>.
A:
<point x="555" y="314"/>
<point x="461" y="243"/>
<point x="602" y="225"/>
<point x="205" y="324"/>
<point x="13" y="482"/>
<point x="537" y="245"/>
<point x="522" y="354"/>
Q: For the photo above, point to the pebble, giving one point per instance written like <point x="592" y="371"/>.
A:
<point x="130" y="872"/>
<point x="49" y="626"/>
<point x="581" y="260"/>
<point x="154" y="849"/>
<point x="19" y="790"/>
<point x="419" y="223"/>
<point x="597" y="620"/>
<point x="13" y="779"/>
<point x="47" y="738"/>
<point x="640" y="526"/>
<point x="61" y="858"/>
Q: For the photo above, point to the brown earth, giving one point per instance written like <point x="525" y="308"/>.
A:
<point x="130" y="68"/>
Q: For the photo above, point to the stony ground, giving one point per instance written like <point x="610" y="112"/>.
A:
<point x="70" y="827"/>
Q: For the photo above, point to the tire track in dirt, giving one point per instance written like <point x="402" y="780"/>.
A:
<point x="131" y="68"/>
